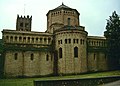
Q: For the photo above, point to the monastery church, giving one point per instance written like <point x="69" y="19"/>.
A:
<point x="64" y="48"/>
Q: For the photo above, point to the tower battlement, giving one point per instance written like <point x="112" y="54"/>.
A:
<point x="27" y="17"/>
<point x="23" y="23"/>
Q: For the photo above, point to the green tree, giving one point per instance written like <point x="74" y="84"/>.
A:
<point x="112" y="35"/>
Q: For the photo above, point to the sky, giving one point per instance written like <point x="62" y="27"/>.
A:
<point x="93" y="13"/>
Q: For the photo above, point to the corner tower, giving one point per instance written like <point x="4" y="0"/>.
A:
<point x="60" y="17"/>
<point x="23" y="23"/>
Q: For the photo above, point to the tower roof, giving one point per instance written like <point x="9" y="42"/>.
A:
<point x="62" y="7"/>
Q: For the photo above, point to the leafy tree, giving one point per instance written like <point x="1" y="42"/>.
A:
<point x="112" y="35"/>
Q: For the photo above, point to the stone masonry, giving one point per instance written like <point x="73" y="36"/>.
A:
<point x="64" y="48"/>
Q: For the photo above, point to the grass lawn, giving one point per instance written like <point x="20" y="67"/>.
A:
<point x="29" y="81"/>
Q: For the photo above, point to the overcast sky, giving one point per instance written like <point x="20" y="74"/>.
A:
<point x="93" y="13"/>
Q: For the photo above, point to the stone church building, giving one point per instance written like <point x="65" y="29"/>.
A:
<point x="64" y="48"/>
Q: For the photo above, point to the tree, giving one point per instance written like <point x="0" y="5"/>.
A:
<point x="112" y="35"/>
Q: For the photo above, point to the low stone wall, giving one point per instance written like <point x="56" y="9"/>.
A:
<point x="76" y="82"/>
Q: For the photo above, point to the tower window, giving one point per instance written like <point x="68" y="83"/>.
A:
<point x="20" y="39"/>
<point x="24" y="39"/>
<point x="65" y="41"/>
<point x="49" y="39"/>
<point x="68" y="21"/>
<point x="69" y="40"/>
<point x="15" y="56"/>
<point x="32" y="56"/>
<point x="21" y="24"/>
<point x="40" y="39"/>
<point x="45" y="39"/>
<point x="77" y="40"/>
<point x="36" y="39"/>
<point x="32" y="39"/>
<point x="58" y="41"/>
<point x="80" y="41"/>
<point x="73" y="40"/>
<point x="28" y="39"/>
<point x="11" y="38"/>
<point x="60" y="52"/>
<point x="83" y="41"/>
<point x="15" y="38"/>
<point x="61" y="41"/>
<point x="7" y="37"/>
<point x="26" y="24"/>
<point x="76" y="52"/>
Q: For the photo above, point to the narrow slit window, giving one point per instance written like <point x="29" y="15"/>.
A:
<point x="76" y="52"/>
<point x="60" y="52"/>
<point x="68" y="21"/>
<point x="47" y="57"/>
<point x="32" y="56"/>
<point x="16" y="56"/>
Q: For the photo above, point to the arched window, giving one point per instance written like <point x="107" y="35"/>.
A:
<point x="76" y="52"/>
<point x="11" y="38"/>
<point x="28" y="39"/>
<point x="20" y="39"/>
<point x="7" y="37"/>
<point x="80" y="41"/>
<point x="36" y="39"/>
<point x="47" y="57"/>
<point x="65" y="41"/>
<point x="68" y="21"/>
<point x="45" y="40"/>
<point x="60" y="52"/>
<point x="32" y="40"/>
<point x="49" y="40"/>
<point x="24" y="39"/>
<point x="69" y="40"/>
<point x="32" y="56"/>
<point x="83" y="41"/>
<point x="15" y="56"/>
<point x="15" y="38"/>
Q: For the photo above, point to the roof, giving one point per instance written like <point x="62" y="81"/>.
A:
<point x="62" y="7"/>
<point x="96" y="37"/>
<point x="68" y="28"/>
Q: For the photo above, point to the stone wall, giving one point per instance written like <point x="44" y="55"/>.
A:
<point x="70" y="63"/>
<point x="97" y="58"/>
<point x="70" y="17"/>
<point x="97" y="61"/>
<point x="28" y="63"/>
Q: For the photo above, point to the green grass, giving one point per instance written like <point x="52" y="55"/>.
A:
<point x="29" y="81"/>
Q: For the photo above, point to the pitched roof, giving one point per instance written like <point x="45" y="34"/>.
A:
<point x="63" y="6"/>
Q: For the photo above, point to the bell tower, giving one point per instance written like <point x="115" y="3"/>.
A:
<point x="23" y="23"/>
